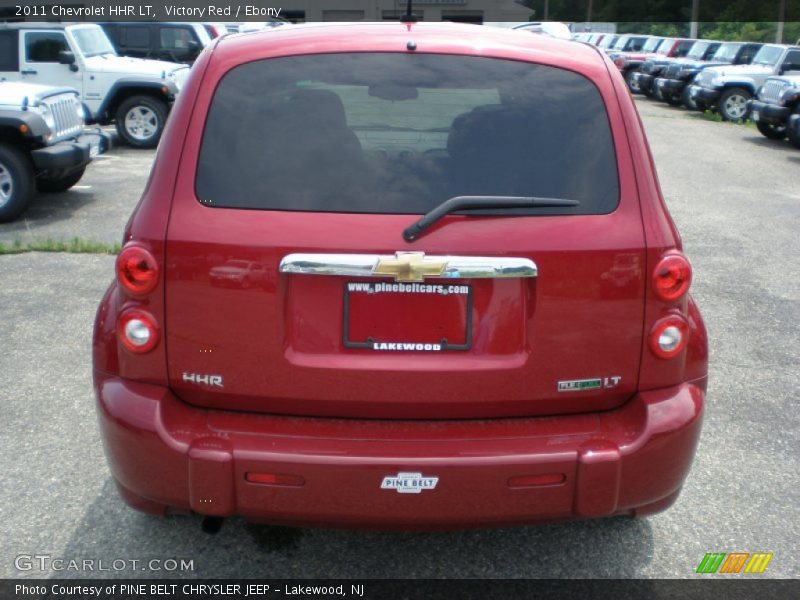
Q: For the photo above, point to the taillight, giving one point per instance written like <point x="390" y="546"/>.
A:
<point x="137" y="330"/>
<point x="137" y="270"/>
<point x="671" y="277"/>
<point x="620" y="62"/>
<point x="669" y="336"/>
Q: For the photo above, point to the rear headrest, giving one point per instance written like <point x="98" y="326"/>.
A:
<point x="319" y="107"/>
<point x="495" y="129"/>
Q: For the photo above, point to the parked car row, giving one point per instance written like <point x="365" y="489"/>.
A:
<point x="738" y="80"/>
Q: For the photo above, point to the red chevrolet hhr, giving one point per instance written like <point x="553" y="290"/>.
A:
<point x="401" y="275"/>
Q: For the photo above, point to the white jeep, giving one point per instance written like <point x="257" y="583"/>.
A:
<point x="135" y="94"/>
<point x="43" y="144"/>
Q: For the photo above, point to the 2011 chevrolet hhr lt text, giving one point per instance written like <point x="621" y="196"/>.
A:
<point x="401" y="275"/>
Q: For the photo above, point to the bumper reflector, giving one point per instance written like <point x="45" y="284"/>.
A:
<point x="537" y="480"/>
<point x="275" y="479"/>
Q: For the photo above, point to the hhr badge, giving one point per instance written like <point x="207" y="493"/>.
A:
<point x="203" y="379"/>
<point x="409" y="483"/>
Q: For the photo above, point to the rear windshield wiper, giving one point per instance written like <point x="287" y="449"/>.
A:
<point x="458" y="203"/>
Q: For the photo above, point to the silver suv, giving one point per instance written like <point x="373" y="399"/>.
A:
<point x="728" y="89"/>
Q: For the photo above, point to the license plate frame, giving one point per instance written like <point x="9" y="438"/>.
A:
<point x="373" y="344"/>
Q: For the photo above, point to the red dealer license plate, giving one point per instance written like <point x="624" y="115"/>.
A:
<point x="407" y="317"/>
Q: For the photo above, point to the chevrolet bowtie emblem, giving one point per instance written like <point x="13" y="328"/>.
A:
<point x="410" y="266"/>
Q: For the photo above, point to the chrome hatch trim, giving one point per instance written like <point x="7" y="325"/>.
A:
<point x="409" y="266"/>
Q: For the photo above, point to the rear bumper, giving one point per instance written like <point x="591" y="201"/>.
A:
<point x="769" y="113"/>
<point x="166" y="455"/>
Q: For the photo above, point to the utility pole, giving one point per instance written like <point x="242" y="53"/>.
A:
<point x="546" y="10"/>
<point x="781" y="19"/>
<point x="695" y="17"/>
<point x="589" y="12"/>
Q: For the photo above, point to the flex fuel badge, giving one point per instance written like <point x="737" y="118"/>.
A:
<point x="581" y="385"/>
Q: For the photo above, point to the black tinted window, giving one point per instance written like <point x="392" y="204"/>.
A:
<point x="9" y="59"/>
<point x="44" y="46"/>
<point x="749" y="53"/>
<point x="635" y="44"/>
<point x="683" y="48"/>
<point x="401" y="133"/>
<point x="175" y="38"/>
<point x="710" y="51"/>
<point x="137" y="37"/>
<point x="792" y="60"/>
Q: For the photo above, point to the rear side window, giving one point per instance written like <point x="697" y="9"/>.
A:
<point x="136" y="37"/>
<point x="683" y="48"/>
<point x="792" y="60"/>
<point x="175" y="38"/>
<point x="636" y="44"/>
<point x="402" y="133"/>
<point x="9" y="51"/>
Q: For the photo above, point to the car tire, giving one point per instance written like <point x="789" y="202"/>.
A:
<point x="773" y="132"/>
<point x="633" y="85"/>
<point x="17" y="186"/>
<point x="140" y="121"/>
<point x="792" y="133"/>
<point x="62" y="184"/>
<point x="733" y="104"/>
<point x="686" y="99"/>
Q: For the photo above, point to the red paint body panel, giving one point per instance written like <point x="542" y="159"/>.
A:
<point x="296" y="402"/>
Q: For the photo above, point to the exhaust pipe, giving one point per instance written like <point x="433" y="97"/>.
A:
<point x="212" y="525"/>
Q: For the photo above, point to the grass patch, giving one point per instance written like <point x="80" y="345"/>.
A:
<point x="710" y="115"/>
<point x="74" y="246"/>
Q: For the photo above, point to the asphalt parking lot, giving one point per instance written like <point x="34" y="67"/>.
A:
<point x="736" y="201"/>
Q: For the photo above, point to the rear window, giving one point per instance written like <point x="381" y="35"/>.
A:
<point x="402" y="133"/>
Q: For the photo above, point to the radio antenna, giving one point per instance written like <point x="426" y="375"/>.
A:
<point x="409" y="17"/>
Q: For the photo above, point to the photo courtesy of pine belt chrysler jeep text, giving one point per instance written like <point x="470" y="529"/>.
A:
<point x="401" y="275"/>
